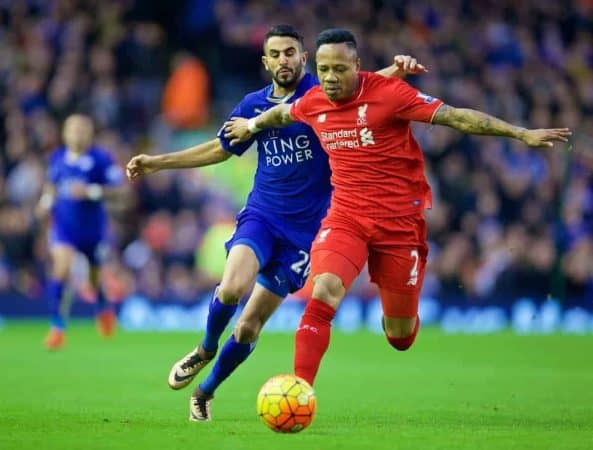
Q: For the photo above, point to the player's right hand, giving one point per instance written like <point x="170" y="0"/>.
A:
<point x="407" y="65"/>
<point x="545" y="137"/>
<point x="236" y="130"/>
<point x="139" y="166"/>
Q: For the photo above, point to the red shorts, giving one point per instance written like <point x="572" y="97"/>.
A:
<point x="395" y="248"/>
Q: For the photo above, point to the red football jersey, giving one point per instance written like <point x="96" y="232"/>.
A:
<point x="377" y="165"/>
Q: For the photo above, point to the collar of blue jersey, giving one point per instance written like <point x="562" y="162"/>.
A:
<point x="71" y="157"/>
<point x="282" y="99"/>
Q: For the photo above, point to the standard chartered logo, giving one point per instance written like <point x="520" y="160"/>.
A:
<point x="347" y="139"/>
<point x="284" y="150"/>
<point x="366" y="137"/>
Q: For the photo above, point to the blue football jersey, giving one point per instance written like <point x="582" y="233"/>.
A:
<point x="291" y="187"/>
<point x="81" y="220"/>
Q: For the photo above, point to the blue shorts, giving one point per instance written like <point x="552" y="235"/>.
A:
<point x="94" y="249"/>
<point x="283" y="266"/>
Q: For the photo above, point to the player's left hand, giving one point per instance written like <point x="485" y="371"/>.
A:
<point x="407" y="65"/>
<point x="545" y="137"/>
<point x="236" y="130"/>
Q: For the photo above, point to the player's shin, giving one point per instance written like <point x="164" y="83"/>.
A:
<point x="312" y="339"/>
<point x="55" y="295"/>
<point x="219" y="316"/>
<point x="106" y="320"/>
<point x="233" y="353"/>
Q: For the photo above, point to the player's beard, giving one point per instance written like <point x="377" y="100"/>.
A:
<point x="288" y="81"/>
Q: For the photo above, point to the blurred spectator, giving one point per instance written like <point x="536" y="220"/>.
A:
<point x="186" y="94"/>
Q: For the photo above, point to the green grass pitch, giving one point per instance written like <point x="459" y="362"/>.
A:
<point x="448" y="392"/>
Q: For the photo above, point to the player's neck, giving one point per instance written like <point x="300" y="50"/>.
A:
<point x="73" y="153"/>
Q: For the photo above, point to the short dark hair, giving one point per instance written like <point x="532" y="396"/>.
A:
<point x="336" y="36"/>
<point x="284" y="30"/>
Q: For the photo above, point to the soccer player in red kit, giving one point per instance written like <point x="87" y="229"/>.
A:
<point x="380" y="191"/>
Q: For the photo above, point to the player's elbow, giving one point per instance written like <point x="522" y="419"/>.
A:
<point x="221" y="155"/>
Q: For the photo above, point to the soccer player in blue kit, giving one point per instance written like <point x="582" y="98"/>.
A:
<point x="79" y="176"/>
<point x="274" y="231"/>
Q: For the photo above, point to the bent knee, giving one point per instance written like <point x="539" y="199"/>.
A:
<point x="329" y="288"/>
<point x="231" y="292"/>
<point x="247" y="332"/>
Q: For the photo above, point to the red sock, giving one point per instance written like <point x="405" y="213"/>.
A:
<point x="406" y="342"/>
<point x="312" y="339"/>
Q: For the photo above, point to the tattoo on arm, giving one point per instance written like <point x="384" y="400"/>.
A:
<point x="278" y="116"/>
<point x="471" y="121"/>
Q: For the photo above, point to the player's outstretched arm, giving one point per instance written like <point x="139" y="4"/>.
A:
<point x="403" y="65"/>
<point x="471" y="121"/>
<point x="204" y="154"/>
<point x="239" y="129"/>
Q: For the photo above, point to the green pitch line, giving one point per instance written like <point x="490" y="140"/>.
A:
<point x="448" y="392"/>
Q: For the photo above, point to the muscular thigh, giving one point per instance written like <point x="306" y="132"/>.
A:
<point x="62" y="256"/>
<point x="252" y="231"/>
<point x="241" y="266"/>
<point x="287" y="269"/>
<point x="340" y="248"/>
<point x="397" y="255"/>
<point x="258" y="251"/>
<point x="94" y="246"/>
<point x="249" y="249"/>
<point x="398" y="269"/>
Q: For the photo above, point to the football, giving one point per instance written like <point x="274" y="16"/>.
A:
<point x="286" y="404"/>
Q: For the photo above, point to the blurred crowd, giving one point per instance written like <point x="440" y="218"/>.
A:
<point x="508" y="221"/>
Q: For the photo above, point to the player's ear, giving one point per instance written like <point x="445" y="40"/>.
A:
<point x="264" y="61"/>
<point x="304" y="57"/>
<point x="357" y="64"/>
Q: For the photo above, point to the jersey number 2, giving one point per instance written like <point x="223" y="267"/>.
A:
<point x="413" y="280"/>
<point x="303" y="265"/>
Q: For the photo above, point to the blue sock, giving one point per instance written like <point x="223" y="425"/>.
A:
<point x="232" y="354"/>
<point x="55" y="293"/>
<point x="219" y="316"/>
